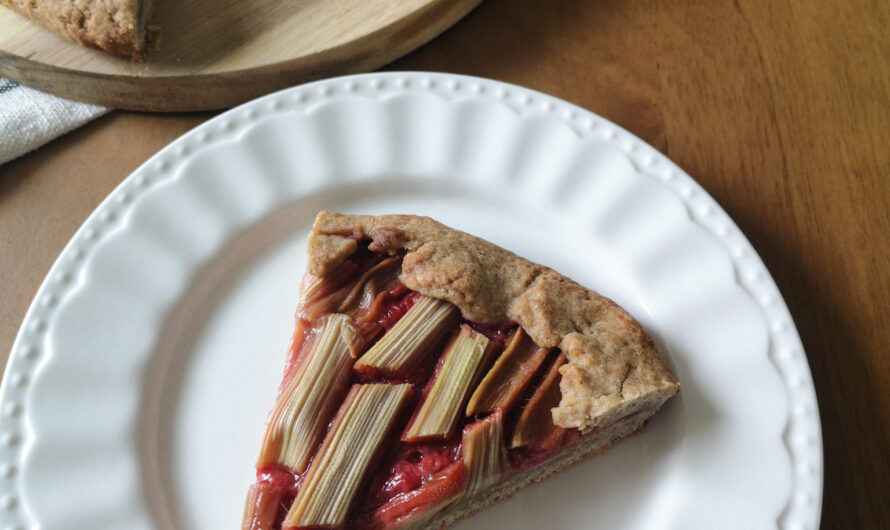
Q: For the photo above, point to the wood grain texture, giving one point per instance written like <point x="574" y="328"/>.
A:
<point x="779" y="109"/>
<point x="218" y="53"/>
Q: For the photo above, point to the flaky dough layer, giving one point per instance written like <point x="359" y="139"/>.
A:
<point x="614" y="367"/>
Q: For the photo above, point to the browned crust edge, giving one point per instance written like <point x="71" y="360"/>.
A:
<point x="615" y="367"/>
<point x="115" y="26"/>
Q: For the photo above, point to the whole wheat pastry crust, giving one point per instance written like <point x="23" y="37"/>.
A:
<point x="614" y="366"/>
<point x="116" y="26"/>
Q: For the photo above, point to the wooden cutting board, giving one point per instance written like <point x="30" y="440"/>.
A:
<point x="219" y="53"/>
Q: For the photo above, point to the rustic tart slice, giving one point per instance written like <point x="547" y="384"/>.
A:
<point x="116" y="26"/>
<point x="432" y="374"/>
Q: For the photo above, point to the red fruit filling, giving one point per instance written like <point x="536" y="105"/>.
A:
<point x="496" y="332"/>
<point x="280" y="478"/>
<point x="411" y="467"/>
<point x="444" y="487"/>
<point x="395" y="308"/>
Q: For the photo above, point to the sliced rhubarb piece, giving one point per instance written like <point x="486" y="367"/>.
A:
<point x="355" y="292"/>
<point x="384" y="310"/>
<point x="410" y="340"/>
<point x="261" y="508"/>
<point x="375" y="280"/>
<point x="461" y="365"/>
<point x="309" y="398"/>
<point x="504" y="383"/>
<point x="484" y="453"/>
<point x="356" y="436"/>
<point x="414" y="509"/>
<point x="315" y="290"/>
<point x="535" y="427"/>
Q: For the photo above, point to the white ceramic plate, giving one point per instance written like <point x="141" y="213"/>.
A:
<point x="138" y="385"/>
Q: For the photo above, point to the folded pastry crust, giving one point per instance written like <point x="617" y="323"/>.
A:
<point x="116" y="26"/>
<point x="614" y="367"/>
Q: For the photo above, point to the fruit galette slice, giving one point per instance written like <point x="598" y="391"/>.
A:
<point x="433" y="373"/>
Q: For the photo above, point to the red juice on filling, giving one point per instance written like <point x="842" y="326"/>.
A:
<point x="281" y="478"/>
<point x="286" y="481"/>
<point x="496" y="332"/>
<point x="411" y="467"/>
<point x="395" y="309"/>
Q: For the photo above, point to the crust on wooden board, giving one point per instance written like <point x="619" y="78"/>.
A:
<point x="116" y="26"/>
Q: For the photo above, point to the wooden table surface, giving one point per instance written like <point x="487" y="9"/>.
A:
<point x="781" y="110"/>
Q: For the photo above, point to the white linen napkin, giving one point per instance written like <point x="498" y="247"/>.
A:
<point x="29" y="118"/>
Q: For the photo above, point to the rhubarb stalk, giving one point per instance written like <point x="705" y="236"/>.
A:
<point x="535" y="426"/>
<point x="484" y="453"/>
<point x="461" y="366"/>
<point x="370" y="284"/>
<point x="309" y="397"/>
<point x="413" y="510"/>
<point x="261" y="508"/>
<point x="504" y="383"/>
<point x="334" y="294"/>
<point x="314" y="290"/>
<point x="342" y="463"/>
<point x="410" y="340"/>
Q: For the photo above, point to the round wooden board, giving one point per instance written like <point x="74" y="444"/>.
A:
<point x="219" y="53"/>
